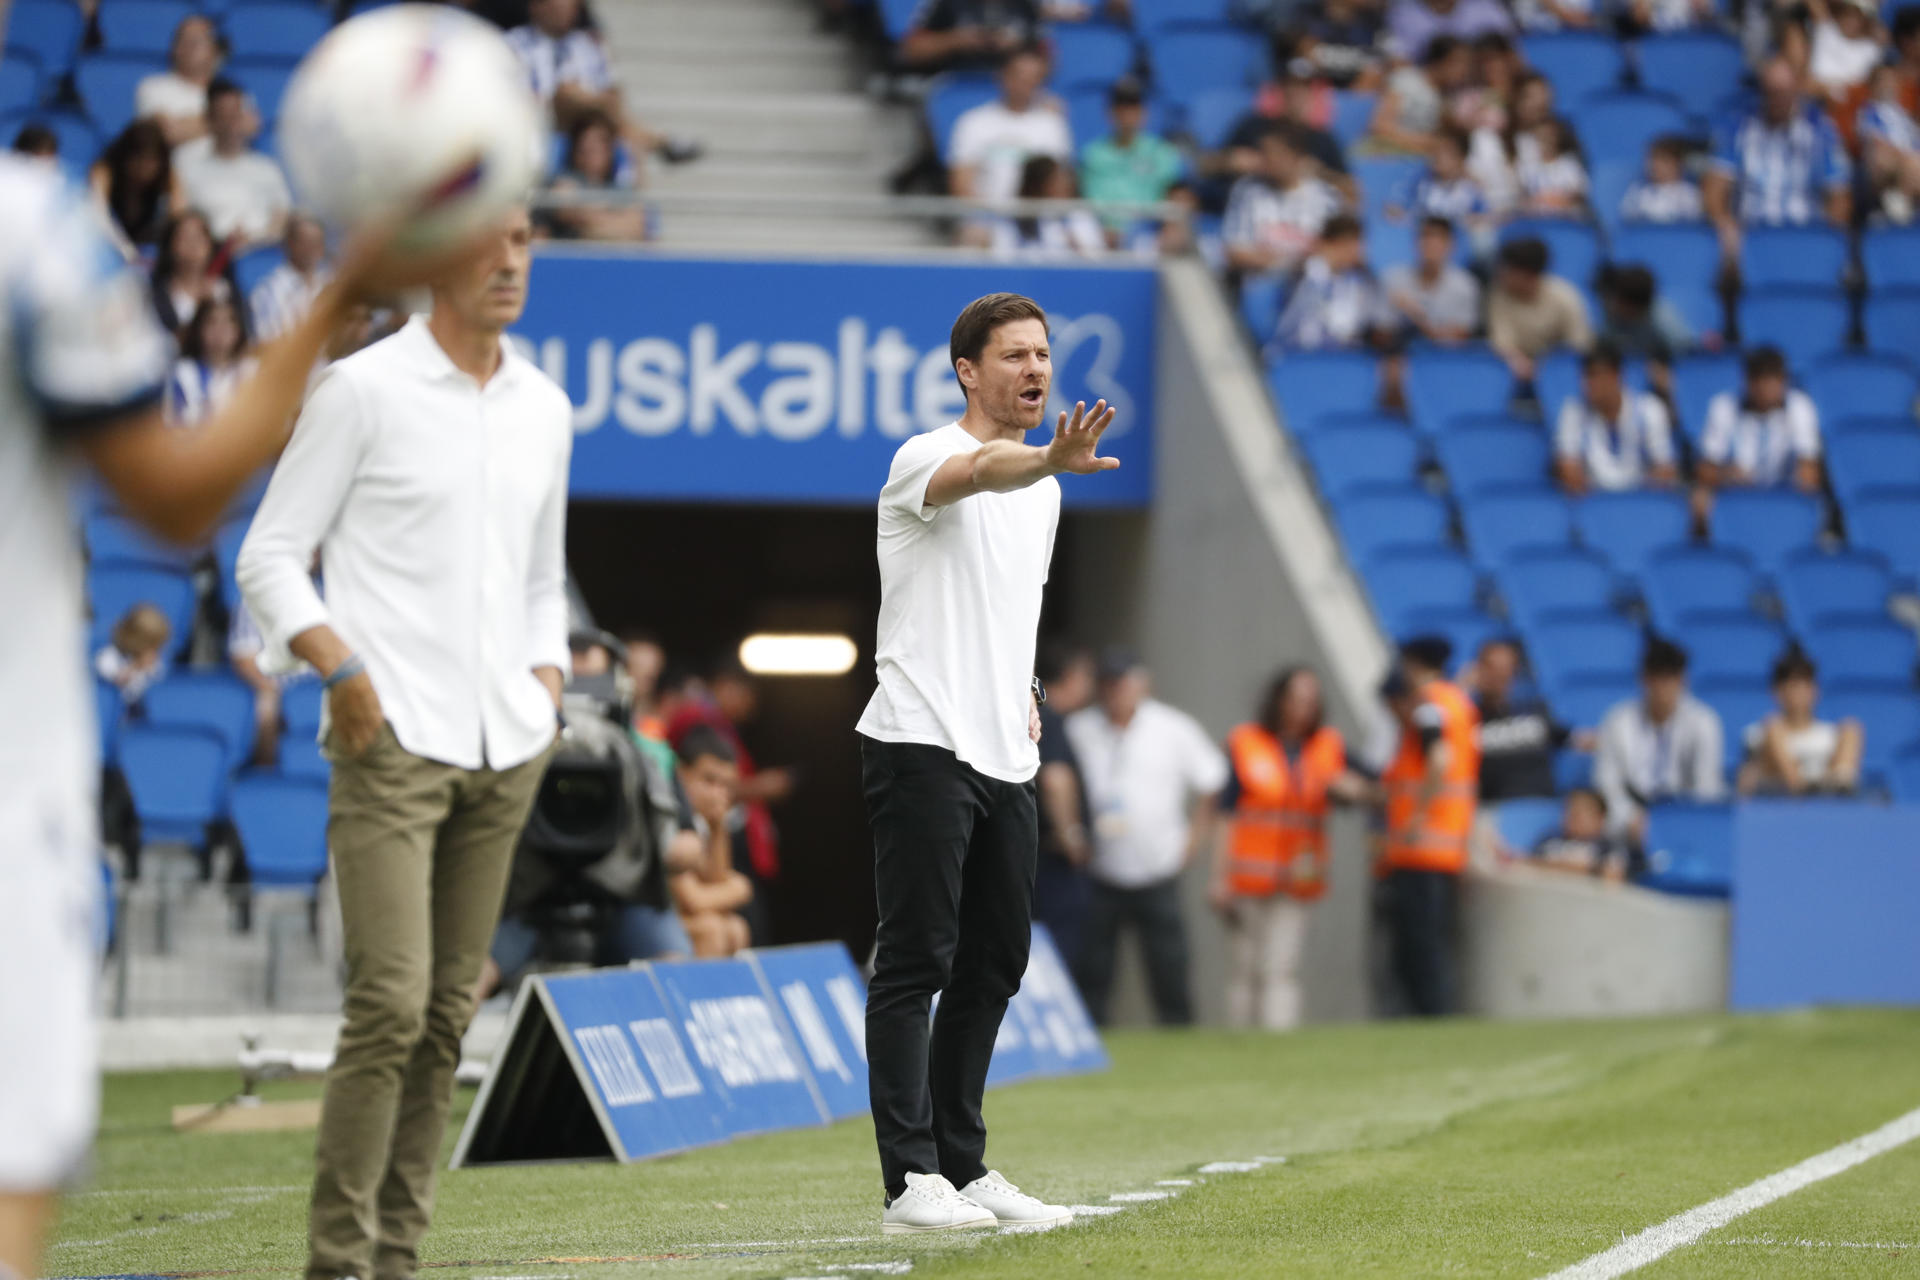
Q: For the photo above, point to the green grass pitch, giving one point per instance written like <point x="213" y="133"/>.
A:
<point x="1453" y="1149"/>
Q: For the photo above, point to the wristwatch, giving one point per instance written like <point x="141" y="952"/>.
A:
<point x="1039" y="691"/>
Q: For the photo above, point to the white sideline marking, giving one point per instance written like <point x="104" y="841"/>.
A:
<point x="190" y="1191"/>
<point x="1137" y="1197"/>
<point x="1776" y="1242"/>
<point x="1657" y="1241"/>
<point x="1231" y="1166"/>
<point x="1094" y="1210"/>
<point x="1174" y="1182"/>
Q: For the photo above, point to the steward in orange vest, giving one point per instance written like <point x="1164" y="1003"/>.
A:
<point x="1433" y="784"/>
<point x="1277" y="834"/>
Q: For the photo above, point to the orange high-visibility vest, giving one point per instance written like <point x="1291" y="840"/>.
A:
<point x="1433" y="837"/>
<point x="1278" y="839"/>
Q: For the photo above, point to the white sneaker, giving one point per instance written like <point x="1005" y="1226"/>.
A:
<point x="1012" y="1206"/>
<point x="931" y="1204"/>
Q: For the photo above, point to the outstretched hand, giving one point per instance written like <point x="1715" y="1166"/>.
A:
<point x="1076" y="440"/>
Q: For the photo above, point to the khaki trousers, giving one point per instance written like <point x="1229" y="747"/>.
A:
<point x="1263" y="958"/>
<point x="421" y="852"/>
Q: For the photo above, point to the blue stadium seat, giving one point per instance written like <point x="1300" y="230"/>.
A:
<point x="1525" y="823"/>
<point x="283" y="829"/>
<point x="1583" y="701"/>
<point x="300" y="708"/>
<point x="1211" y="116"/>
<point x="1405" y="580"/>
<point x="1260" y="305"/>
<point x="270" y="29"/>
<point x="1390" y="242"/>
<point x="1345" y="459"/>
<point x="1806" y="324"/>
<point x="1767" y="524"/>
<point x="1690" y="850"/>
<point x="107" y="84"/>
<point x="1443" y="383"/>
<point x="1576" y="63"/>
<point x="1371" y="520"/>
<point x="1682" y="583"/>
<point x="79" y="141"/>
<point x="1739" y="701"/>
<point x="50" y="30"/>
<point x="1540" y="583"/>
<point x="1892" y="321"/>
<point x="1616" y="127"/>
<point x="1380" y="179"/>
<point x="207" y="700"/>
<point x="109" y="714"/>
<point x="19" y="82"/>
<point x="1696" y="381"/>
<point x="1600" y="645"/>
<point x="1904" y="774"/>
<point x="1352" y="115"/>
<point x="1629" y="527"/>
<point x="1740" y="649"/>
<point x="1608" y="182"/>
<point x="1889" y="716"/>
<point x="1677" y="253"/>
<point x="1188" y="61"/>
<point x="1501" y="525"/>
<point x="141" y="26"/>
<point x="1869" y="424"/>
<point x="1862" y="463"/>
<point x="300" y="758"/>
<point x="1848" y="386"/>
<point x="178" y="777"/>
<point x="115" y="537"/>
<point x="1890" y="525"/>
<point x="1696" y="68"/>
<point x="1574" y="247"/>
<point x="266" y="82"/>
<point x="1465" y="629"/>
<point x="1083" y="52"/>
<point x="952" y="96"/>
<point x="1153" y="16"/>
<point x="115" y="586"/>
<point x="1882" y="650"/>
<point x="896" y="16"/>
<point x="1813" y="256"/>
<point x="1890" y="257"/>
<point x="1482" y="457"/>
<point x="1312" y="384"/>
<point x="1700" y="309"/>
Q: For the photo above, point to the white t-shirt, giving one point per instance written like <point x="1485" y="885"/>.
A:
<point x="167" y="94"/>
<point x="1141" y="782"/>
<point x="960" y="589"/>
<point x="243" y="193"/>
<point x="1836" y="63"/>
<point x="1811" y="748"/>
<point x="1616" y="455"/>
<point x="1765" y="446"/>
<point x="996" y="142"/>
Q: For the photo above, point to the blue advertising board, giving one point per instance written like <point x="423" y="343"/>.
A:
<point x="1046" y="1031"/>
<point x="742" y="1045"/>
<point x="820" y="991"/>
<point x="795" y="382"/>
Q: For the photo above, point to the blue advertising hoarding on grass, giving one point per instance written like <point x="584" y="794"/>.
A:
<point x="742" y="1045"/>
<point x="795" y="382"/>
<point x="821" y="993"/>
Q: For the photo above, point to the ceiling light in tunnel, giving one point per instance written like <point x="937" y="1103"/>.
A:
<point x="774" y="654"/>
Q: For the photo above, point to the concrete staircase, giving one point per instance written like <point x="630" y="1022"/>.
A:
<point x="780" y="108"/>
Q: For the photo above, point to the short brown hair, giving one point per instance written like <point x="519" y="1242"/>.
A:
<point x="142" y="629"/>
<point x="982" y="316"/>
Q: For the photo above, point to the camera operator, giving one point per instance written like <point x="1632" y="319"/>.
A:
<point x="711" y="894"/>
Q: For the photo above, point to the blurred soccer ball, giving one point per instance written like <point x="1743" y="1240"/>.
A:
<point x="413" y="106"/>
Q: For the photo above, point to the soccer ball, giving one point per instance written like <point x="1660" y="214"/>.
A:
<point x="413" y="106"/>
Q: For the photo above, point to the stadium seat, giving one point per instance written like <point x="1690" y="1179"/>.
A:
<point x="1583" y="701"/>
<point x="1352" y="115"/>
<point x="1083" y="52"/>
<point x="266" y="83"/>
<point x="1616" y="127"/>
<point x="1678" y="253"/>
<point x="1806" y="324"/>
<point x="1890" y="256"/>
<point x="49" y="30"/>
<point x="1370" y="520"/>
<point x="1211" y="116"/>
<point x="1700" y="309"/>
<point x="1312" y="384"/>
<point x="1343" y="460"/>
<point x="1904" y="775"/>
<point x="1695" y="68"/>
<point x="1811" y="256"/>
<point x="1404" y="580"/>
<point x="141" y="26"/>
<point x="1696" y="381"/>
<point x="1380" y="179"/>
<point x="1880" y="651"/>
<point x="1690" y="849"/>
<point x="1260" y="305"/>
<point x="1444" y="383"/>
<point x="952" y="96"/>
<point x="1597" y="645"/>
<point x="1889" y="717"/>
<point x="19" y="82"/>
<point x="1739" y="701"/>
<point x="1892" y="321"/>
<point x="1539" y="583"/>
<point x="1629" y="527"/>
<point x="79" y="140"/>
<point x="1480" y="457"/>
<point x="107" y="84"/>
<point x="1525" y="823"/>
<point x="1888" y="524"/>
<point x="178" y="777"/>
<point x="1682" y="583"/>
<point x="300" y="758"/>
<point x="109" y="714"/>
<point x="1465" y="629"/>
<point x="1188" y="61"/>
<point x="1858" y="385"/>
<point x="1500" y="525"/>
<point x="115" y="537"/>
<point x="1153" y="16"/>
<point x="214" y="701"/>
<point x="283" y="829"/>
<point x="270" y="29"/>
<point x="1740" y="649"/>
<point x="115" y="586"/>
<point x="1573" y="247"/>
<point x="1607" y="187"/>
<point x="1576" y="63"/>
<point x="1862" y="463"/>
<point x="1390" y="242"/>
<point x="1767" y="524"/>
<point x="300" y="708"/>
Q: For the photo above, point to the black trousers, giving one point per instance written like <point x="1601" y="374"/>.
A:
<point x="1153" y="910"/>
<point x="953" y="867"/>
<point x="1421" y="909"/>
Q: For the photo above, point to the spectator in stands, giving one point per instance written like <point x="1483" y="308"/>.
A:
<point x="1131" y="165"/>
<point x="1794" y="753"/>
<point x="1840" y="49"/>
<point x="241" y="191"/>
<point x="1060" y="889"/>
<point x="1288" y="101"/>
<point x="1518" y="735"/>
<point x="1611" y="437"/>
<point x="1783" y="164"/>
<point x="186" y="272"/>
<point x="1529" y="312"/>
<point x="1638" y="17"/>
<point x="176" y="99"/>
<point x="1639" y="324"/>
<point x="1152" y="776"/>
<point x="1583" y="845"/>
<point x="1664" y="745"/>
<point x="593" y="164"/>
<point x="1766" y="437"/>
<point x="1436" y="299"/>
<point x="1664" y="193"/>
<point x="1335" y="302"/>
<point x="1502" y="154"/>
<point x="568" y="69"/>
<point x="1341" y="42"/>
<point x="37" y="141"/>
<point x="214" y="361"/>
<point x="1555" y="185"/>
<point x="1554" y="15"/>
<point x="969" y="35"/>
<point x="135" y="655"/>
<point x="280" y="300"/>
<point x="1074" y="234"/>
<point x="1414" y="25"/>
<point x="1890" y="147"/>
<point x="1274" y="218"/>
<point x="134" y="182"/>
<point x="1415" y="102"/>
<point x="991" y="142"/>
<point x="1446" y="189"/>
<point x="712" y="895"/>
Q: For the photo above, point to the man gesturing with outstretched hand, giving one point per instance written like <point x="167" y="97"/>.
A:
<point x="948" y="758"/>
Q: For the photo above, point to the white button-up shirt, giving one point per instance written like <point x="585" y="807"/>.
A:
<point x="1141" y="782"/>
<point x="439" y="509"/>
